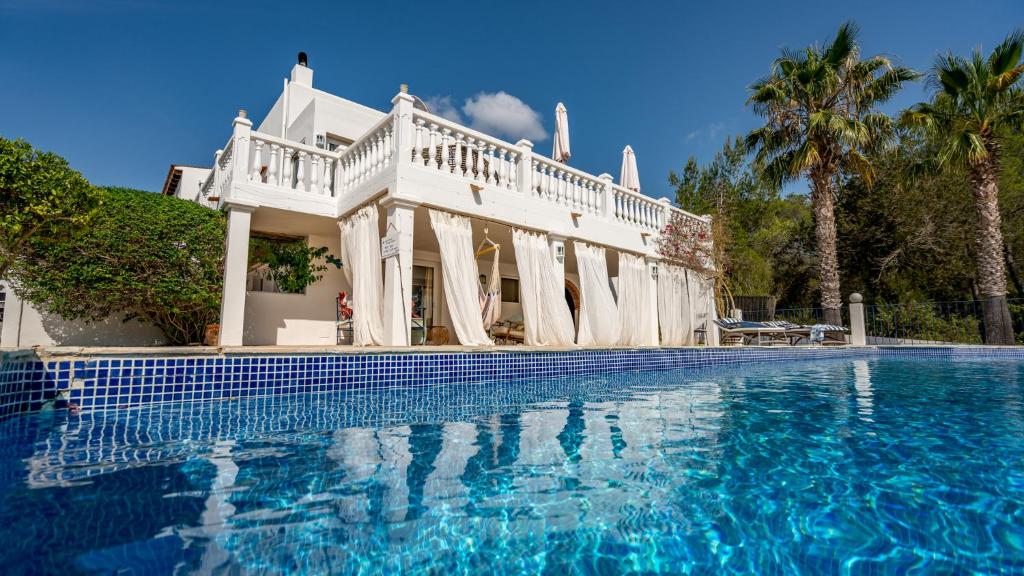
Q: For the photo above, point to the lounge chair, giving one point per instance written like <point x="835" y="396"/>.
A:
<point x="833" y="335"/>
<point x="509" y="331"/>
<point x="741" y="332"/>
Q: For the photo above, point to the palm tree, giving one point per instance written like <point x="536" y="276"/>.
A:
<point x="975" y="100"/>
<point x="820" y="118"/>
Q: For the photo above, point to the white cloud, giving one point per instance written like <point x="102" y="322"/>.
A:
<point x="502" y="114"/>
<point x="443" y="107"/>
<point x="709" y="133"/>
<point x="496" y="113"/>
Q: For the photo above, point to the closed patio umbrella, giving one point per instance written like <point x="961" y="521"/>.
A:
<point x="560" y="153"/>
<point x="629" y="177"/>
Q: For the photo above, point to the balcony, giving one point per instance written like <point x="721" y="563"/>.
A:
<point x="413" y="155"/>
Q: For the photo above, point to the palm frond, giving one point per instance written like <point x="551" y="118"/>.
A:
<point x="1006" y="55"/>
<point x="844" y="46"/>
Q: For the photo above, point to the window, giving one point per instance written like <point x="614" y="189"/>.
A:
<point x="510" y="290"/>
<point x="335" y="142"/>
<point x="261" y="247"/>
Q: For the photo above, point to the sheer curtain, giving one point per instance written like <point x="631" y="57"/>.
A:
<point x="360" y="254"/>
<point x="599" y="316"/>
<point x="545" y="313"/>
<point x="635" y="301"/>
<point x="460" y="276"/>
<point x="674" y="306"/>
<point x="702" y="305"/>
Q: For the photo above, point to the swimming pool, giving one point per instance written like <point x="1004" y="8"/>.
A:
<point x="876" y="464"/>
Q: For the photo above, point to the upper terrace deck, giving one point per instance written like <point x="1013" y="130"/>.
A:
<point x="413" y="155"/>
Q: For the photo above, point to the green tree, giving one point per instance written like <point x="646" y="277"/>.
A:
<point x="147" y="256"/>
<point x="759" y="235"/>
<point x="819" y="107"/>
<point x="41" y="199"/>
<point x="975" y="100"/>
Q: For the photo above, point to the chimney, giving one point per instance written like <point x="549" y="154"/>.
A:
<point x="302" y="74"/>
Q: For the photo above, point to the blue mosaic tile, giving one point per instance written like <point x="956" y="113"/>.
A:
<point x="27" y="383"/>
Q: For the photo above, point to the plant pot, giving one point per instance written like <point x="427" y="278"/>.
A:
<point x="212" y="336"/>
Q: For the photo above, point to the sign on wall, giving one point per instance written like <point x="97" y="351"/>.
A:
<point x="389" y="245"/>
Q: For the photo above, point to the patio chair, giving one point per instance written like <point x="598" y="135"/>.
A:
<point x="741" y="332"/>
<point x="509" y="331"/>
<point x="833" y="335"/>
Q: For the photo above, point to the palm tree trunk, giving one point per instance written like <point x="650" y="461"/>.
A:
<point x="825" y="236"/>
<point x="988" y="246"/>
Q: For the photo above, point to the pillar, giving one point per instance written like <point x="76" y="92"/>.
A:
<point x="398" y="273"/>
<point x="858" y="333"/>
<point x="236" y="268"/>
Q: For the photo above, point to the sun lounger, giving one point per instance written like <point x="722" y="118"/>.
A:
<point x="742" y="332"/>
<point x="833" y="335"/>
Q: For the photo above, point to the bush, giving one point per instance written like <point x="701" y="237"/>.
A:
<point x="145" y="255"/>
<point x="41" y="199"/>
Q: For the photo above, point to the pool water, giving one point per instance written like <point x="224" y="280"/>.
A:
<point x="841" y="466"/>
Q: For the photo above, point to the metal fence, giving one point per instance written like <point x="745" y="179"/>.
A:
<point x="802" y="316"/>
<point x="911" y="323"/>
<point x="924" y="323"/>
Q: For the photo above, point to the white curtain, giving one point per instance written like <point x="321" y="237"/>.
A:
<point x="599" y="315"/>
<point x="545" y="314"/>
<point x="702" y="305"/>
<point x="360" y="256"/>
<point x="635" y="302"/>
<point x="674" y="306"/>
<point x="461" y="277"/>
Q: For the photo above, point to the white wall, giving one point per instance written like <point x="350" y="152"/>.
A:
<point x="25" y="326"/>
<point x="189" y="187"/>
<point x="294" y="319"/>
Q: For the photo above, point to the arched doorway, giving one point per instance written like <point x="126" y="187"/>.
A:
<point x="572" y="300"/>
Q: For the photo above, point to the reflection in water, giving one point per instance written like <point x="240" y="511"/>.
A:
<point x="571" y="436"/>
<point x="862" y="383"/>
<point x="748" y="471"/>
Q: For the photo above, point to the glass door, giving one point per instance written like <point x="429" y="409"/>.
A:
<point x="422" y="303"/>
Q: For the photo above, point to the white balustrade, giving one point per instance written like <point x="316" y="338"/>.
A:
<point x="218" y="183"/>
<point x="438" y="145"/>
<point x="566" y="186"/>
<point x="292" y="165"/>
<point x="442" y="145"/>
<point x="367" y="156"/>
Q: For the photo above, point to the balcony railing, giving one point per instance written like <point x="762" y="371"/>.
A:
<point x="436" y="144"/>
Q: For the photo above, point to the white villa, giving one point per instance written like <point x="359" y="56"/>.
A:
<point x="410" y="203"/>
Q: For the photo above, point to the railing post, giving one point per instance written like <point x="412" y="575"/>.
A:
<point x="524" y="174"/>
<point x="402" y="109"/>
<point x="241" y="130"/>
<point x="608" y="197"/>
<point x="666" y="213"/>
<point x="858" y="334"/>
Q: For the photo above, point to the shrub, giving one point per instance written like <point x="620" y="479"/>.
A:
<point x="41" y="199"/>
<point x="145" y="255"/>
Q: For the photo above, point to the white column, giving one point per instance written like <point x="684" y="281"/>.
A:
<point x="652" y="272"/>
<point x="606" y="203"/>
<point x="524" y="174"/>
<point x="398" y="273"/>
<point x="241" y="131"/>
<point x="11" y="335"/>
<point x="236" y="266"/>
<point x="858" y="333"/>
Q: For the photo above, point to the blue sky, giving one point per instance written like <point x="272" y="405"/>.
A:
<point x="123" y="88"/>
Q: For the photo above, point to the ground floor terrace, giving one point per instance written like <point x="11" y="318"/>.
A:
<point x="545" y="289"/>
